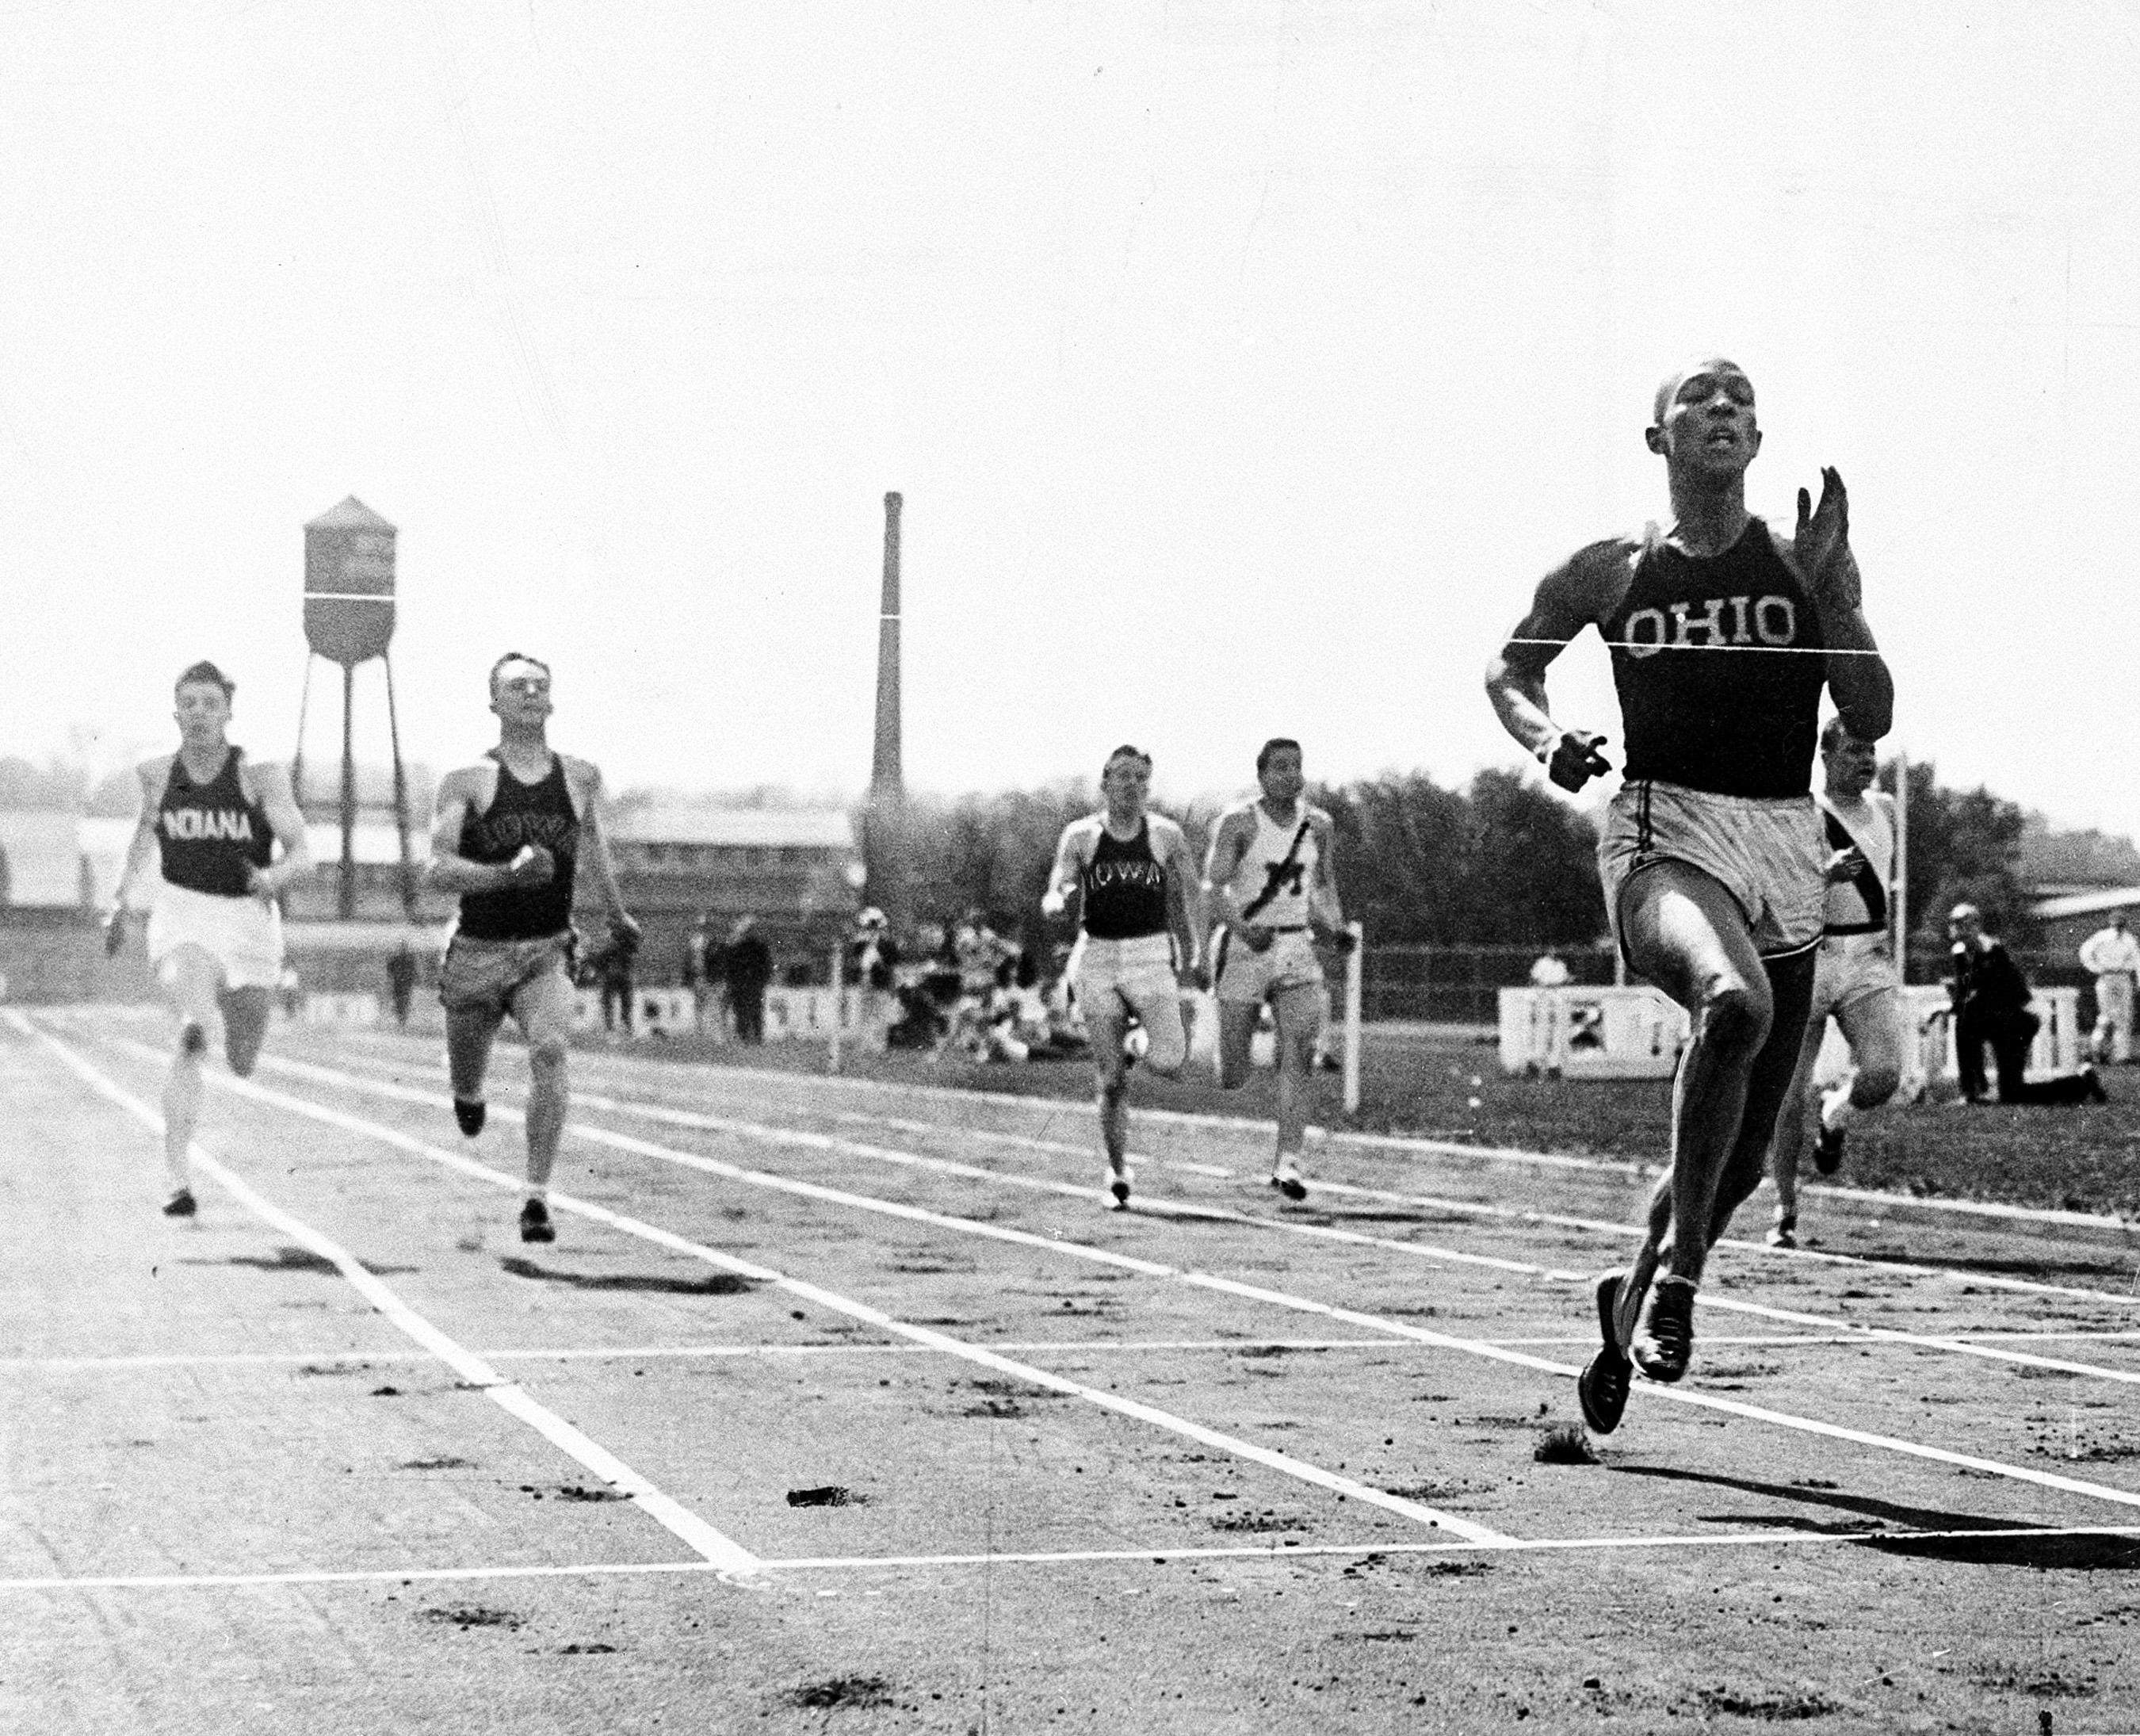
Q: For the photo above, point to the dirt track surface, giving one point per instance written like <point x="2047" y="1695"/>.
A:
<point x="836" y="1406"/>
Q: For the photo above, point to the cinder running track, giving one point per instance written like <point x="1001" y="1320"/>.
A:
<point x="847" y="1407"/>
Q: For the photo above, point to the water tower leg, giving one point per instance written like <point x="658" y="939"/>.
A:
<point x="400" y="800"/>
<point x="298" y="759"/>
<point x="348" y="904"/>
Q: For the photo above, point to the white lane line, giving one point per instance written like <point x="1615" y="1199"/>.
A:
<point x="1465" y="1206"/>
<point x="1400" y="1142"/>
<point x="770" y="1133"/>
<point x="1847" y="1330"/>
<point x="1283" y="1463"/>
<point x="1429" y="1252"/>
<point x="1159" y="1555"/>
<point x="1281" y="1299"/>
<point x="721" y="1552"/>
<point x="1511" y="1214"/>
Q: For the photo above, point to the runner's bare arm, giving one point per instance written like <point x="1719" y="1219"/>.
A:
<point x="586" y="779"/>
<point x="1324" y="907"/>
<point x="1230" y="842"/>
<point x="1069" y="864"/>
<point x="141" y="847"/>
<point x="287" y="821"/>
<point x="460" y="793"/>
<point x="1581" y="591"/>
<point x="1819" y="553"/>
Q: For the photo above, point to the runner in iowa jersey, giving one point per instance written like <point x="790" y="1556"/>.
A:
<point x="1130" y="870"/>
<point x="1722" y="635"/>
<point x="508" y="835"/>
<point x="1854" y="980"/>
<point x="211" y="822"/>
<point x="1268" y="877"/>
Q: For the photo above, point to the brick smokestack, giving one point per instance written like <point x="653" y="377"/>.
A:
<point x="884" y="824"/>
<point x="886" y="781"/>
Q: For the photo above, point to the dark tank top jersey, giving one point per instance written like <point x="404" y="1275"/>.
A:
<point x="523" y="814"/>
<point x="1740" y="722"/>
<point x="1125" y="887"/>
<point x="209" y="834"/>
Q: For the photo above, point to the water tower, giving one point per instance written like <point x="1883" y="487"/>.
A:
<point x="349" y="620"/>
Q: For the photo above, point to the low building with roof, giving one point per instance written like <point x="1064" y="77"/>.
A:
<point x="797" y="871"/>
<point x="2065" y="917"/>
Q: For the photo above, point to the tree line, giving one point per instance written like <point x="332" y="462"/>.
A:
<point x="1499" y="861"/>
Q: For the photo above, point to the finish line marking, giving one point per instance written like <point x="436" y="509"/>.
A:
<point x="1159" y="1556"/>
<point x="1043" y="1346"/>
<point x="721" y="1553"/>
<point x="1076" y="1250"/>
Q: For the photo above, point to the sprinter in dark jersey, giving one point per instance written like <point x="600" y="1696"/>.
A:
<point x="211" y="821"/>
<point x="508" y="836"/>
<point x="1723" y="635"/>
<point x="1132" y="872"/>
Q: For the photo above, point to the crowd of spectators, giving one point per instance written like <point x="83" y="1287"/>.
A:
<point x="964" y="990"/>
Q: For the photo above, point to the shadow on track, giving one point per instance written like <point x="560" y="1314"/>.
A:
<point x="298" y="1259"/>
<point x="1997" y="1545"/>
<point x="713" y="1284"/>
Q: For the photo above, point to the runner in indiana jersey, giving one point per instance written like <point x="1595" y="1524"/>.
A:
<point x="1268" y="877"/>
<point x="1130" y="870"/>
<point x="1722" y="635"/>
<point x="214" y="938"/>
<point x="508" y="836"/>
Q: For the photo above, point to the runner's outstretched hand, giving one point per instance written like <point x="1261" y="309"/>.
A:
<point x="1822" y="544"/>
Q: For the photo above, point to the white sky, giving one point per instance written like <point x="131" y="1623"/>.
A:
<point x="1242" y="364"/>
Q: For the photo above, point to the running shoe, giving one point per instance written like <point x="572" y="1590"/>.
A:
<point x="180" y="1204"/>
<point x="1136" y="1045"/>
<point x="1602" y="1385"/>
<point x="1665" y="1344"/>
<point x="2095" y="1085"/>
<point x="535" y="1224"/>
<point x="468" y="1113"/>
<point x="1120" y="1175"/>
<point x="1286" y="1179"/>
<point x="1828" y="1150"/>
<point x="1784" y="1233"/>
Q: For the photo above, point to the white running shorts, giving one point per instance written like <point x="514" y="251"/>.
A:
<point x="243" y="934"/>
<point x="1138" y="971"/>
<point x="1240" y="976"/>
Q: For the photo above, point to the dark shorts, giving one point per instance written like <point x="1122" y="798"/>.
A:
<point x="484" y="975"/>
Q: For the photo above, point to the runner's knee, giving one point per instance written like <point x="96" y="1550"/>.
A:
<point x="192" y="1040"/>
<point x="1169" y="1051"/>
<point x="1736" y="1014"/>
<point x="1876" y="1081"/>
<point x="546" y="1053"/>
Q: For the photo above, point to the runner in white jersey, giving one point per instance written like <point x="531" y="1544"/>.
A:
<point x="1854" y="979"/>
<point x="1130" y="870"/>
<point x="1268" y="877"/>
